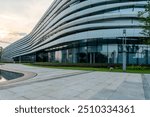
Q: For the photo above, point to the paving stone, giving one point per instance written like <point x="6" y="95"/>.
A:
<point x="146" y="86"/>
<point x="103" y="95"/>
<point x="84" y="86"/>
<point x="44" y="98"/>
<point x="128" y="91"/>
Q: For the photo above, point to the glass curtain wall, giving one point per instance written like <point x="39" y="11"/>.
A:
<point x="100" y="51"/>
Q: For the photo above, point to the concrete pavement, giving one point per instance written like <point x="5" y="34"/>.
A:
<point x="59" y="84"/>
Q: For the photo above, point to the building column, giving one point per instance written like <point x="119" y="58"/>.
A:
<point x="90" y="58"/>
<point x="94" y="57"/>
<point x="49" y="57"/>
<point x="74" y="56"/>
<point x="35" y="57"/>
<point x="19" y="59"/>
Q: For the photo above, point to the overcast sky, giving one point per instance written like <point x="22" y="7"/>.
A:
<point x="18" y="17"/>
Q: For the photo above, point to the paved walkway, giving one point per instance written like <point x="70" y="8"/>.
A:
<point x="61" y="84"/>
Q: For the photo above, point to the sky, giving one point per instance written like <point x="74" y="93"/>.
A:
<point x="18" y="18"/>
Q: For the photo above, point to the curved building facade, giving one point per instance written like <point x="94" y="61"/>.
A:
<point x="84" y="31"/>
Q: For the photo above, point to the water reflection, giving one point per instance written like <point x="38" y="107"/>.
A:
<point x="8" y="75"/>
<point x="2" y="79"/>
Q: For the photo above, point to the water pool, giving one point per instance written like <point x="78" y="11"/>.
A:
<point x="9" y="75"/>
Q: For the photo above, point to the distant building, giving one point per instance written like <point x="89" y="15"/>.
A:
<point x="85" y="31"/>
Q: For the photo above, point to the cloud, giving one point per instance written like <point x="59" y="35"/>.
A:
<point x="11" y="36"/>
<point x="18" y="17"/>
<point x="17" y="34"/>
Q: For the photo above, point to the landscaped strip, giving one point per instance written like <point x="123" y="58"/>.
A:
<point x="130" y="69"/>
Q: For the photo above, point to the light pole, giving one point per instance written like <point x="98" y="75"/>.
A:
<point x="124" y="51"/>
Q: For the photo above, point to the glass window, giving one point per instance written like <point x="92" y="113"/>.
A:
<point x="92" y="48"/>
<point x="149" y="56"/>
<point x="120" y="58"/>
<point x="132" y="59"/>
<point x="120" y="48"/>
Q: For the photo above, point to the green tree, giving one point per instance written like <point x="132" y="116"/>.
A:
<point x="145" y="19"/>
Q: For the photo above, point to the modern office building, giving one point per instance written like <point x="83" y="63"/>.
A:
<point x="84" y="31"/>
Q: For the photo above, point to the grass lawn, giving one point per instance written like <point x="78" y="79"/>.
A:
<point x="130" y="69"/>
